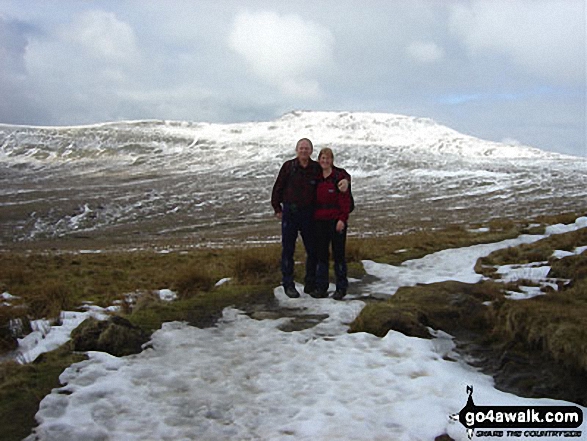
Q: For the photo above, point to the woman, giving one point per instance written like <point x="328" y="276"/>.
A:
<point x="331" y="217"/>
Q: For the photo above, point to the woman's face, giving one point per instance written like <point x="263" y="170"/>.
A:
<point x="325" y="161"/>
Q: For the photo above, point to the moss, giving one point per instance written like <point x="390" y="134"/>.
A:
<point x="22" y="387"/>
<point x="379" y="318"/>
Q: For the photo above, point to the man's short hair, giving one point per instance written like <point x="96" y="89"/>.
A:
<point x="308" y="141"/>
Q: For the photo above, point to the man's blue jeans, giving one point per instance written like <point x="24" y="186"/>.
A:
<point x="296" y="221"/>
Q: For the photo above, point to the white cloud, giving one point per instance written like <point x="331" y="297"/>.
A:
<point x="547" y="38"/>
<point x="103" y="36"/>
<point x="285" y="51"/>
<point x="425" y="52"/>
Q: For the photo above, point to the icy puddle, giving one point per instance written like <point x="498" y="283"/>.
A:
<point x="247" y="379"/>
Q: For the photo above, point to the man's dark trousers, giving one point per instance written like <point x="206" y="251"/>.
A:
<point x="296" y="220"/>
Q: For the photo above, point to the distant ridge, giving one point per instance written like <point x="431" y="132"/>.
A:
<point x="338" y="129"/>
<point x="143" y="181"/>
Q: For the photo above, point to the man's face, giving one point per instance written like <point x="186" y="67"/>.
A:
<point x="304" y="150"/>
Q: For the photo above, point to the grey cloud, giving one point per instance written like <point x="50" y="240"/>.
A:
<point x="545" y="37"/>
<point x="18" y="103"/>
<point x="459" y="63"/>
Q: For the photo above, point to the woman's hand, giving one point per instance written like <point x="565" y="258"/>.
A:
<point x="343" y="185"/>
<point x="340" y="226"/>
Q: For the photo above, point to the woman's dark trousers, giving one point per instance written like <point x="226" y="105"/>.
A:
<point x="325" y="236"/>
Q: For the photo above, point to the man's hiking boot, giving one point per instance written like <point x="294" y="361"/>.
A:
<point x="319" y="293"/>
<point x="309" y="288"/>
<point x="291" y="292"/>
<point x="339" y="294"/>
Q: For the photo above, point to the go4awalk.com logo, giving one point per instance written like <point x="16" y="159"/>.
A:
<point x="527" y="422"/>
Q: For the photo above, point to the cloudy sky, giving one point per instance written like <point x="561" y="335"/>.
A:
<point x="504" y="70"/>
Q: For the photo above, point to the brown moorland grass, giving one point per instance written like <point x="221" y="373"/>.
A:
<point x="46" y="281"/>
<point x="540" y="251"/>
<point x="555" y="323"/>
<point x="394" y="250"/>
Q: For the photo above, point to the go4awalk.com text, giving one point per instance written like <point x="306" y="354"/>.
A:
<point x="527" y="434"/>
<point x="526" y="422"/>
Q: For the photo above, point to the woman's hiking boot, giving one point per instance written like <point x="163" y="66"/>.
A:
<point x="339" y="294"/>
<point x="319" y="293"/>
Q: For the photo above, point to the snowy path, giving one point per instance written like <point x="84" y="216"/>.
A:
<point x="246" y="379"/>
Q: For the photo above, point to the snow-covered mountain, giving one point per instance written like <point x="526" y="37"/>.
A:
<point x="164" y="179"/>
<point x="137" y="138"/>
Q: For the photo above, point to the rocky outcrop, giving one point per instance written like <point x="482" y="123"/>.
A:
<point x="116" y="336"/>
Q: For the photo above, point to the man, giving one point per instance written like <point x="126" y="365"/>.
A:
<point x="293" y="199"/>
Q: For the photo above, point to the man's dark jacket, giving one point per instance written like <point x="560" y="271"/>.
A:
<point x="295" y="185"/>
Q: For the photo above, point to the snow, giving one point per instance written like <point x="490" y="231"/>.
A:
<point x="167" y="295"/>
<point x="559" y="254"/>
<point x="45" y="337"/>
<point x="248" y="379"/>
<point x="7" y="297"/>
<point x="513" y="273"/>
<point x="451" y="264"/>
<point x="223" y="281"/>
<point x="527" y="293"/>
<point x="537" y="272"/>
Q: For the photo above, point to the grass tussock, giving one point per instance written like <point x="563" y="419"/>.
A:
<point x="554" y="323"/>
<point x="540" y="251"/>
<point x="258" y="265"/>
<point x="49" y="299"/>
<point x="451" y="306"/>
<point x="191" y="280"/>
<point x="571" y="267"/>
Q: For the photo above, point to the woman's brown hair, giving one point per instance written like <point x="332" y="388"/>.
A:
<point x="326" y="151"/>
